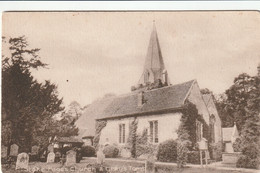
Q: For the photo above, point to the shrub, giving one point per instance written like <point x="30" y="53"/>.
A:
<point x="194" y="157"/>
<point x="167" y="151"/>
<point x="246" y="162"/>
<point x="145" y="149"/>
<point x="182" y="153"/>
<point x="111" y="151"/>
<point x="88" y="151"/>
<point x="249" y="157"/>
<point x="237" y="145"/>
<point x="215" y="151"/>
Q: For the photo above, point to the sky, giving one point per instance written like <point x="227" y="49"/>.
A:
<point x="91" y="54"/>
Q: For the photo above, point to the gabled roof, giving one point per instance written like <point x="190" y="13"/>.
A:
<point x="161" y="99"/>
<point x="206" y="98"/>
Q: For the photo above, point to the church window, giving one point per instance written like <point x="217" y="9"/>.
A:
<point x="121" y="133"/>
<point x="154" y="131"/>
<point x="199" y="131"/>
<point x="212" y="128"/>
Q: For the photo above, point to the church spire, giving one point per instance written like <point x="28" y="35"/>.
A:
<point x="154" y="69"/>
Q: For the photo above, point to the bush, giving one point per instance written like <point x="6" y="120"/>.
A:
<point x="88" y="151"/>
<point x="249" y="157"/>
<point x="194" y="157"/>
<point x="215" y="151"/>
<point x="111" y="151"/>
<point x="167" y="151"/>
<point x="237" y="145"/>
<point x="246" y="162"/>
<point x="144" y="149"/>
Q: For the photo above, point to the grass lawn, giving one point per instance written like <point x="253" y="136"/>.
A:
<point x="87" y="165"/>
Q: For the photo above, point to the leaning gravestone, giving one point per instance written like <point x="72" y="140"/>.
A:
<point x="3" y="151"/>
<point x="22" y="161"/>
<point x="100" y="157"/>
<point x="150" y="164"/>
<point x="14" y="150"/>
<point x="51" y="157"/>
<point x="35" y="150"/>
<point x="70" y="158"/>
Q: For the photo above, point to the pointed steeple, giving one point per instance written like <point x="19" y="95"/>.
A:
<point x="154" y="69"/>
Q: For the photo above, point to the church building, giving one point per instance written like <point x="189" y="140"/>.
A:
<point x="154" y="102"/>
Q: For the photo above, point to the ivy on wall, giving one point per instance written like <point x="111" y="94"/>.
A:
<point x="100" y="124"/>
<point x="187" y="134"/>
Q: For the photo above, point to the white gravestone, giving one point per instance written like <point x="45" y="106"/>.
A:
<point x="14" y="150"/>
<point x="3" y="151"/>
<point x="70" y="157"/>
<point x="51" y="157"/>
<point x="22" y="161"/>
<point x="100" y="157"/>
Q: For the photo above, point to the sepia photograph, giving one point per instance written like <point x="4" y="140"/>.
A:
<point x="130" y="92"/>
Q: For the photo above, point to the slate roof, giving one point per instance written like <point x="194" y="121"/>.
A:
<point x="166" y="98"/>
<point x="227" y="133"/>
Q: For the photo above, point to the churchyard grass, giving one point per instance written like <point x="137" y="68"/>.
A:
<point x="79" y="167"/>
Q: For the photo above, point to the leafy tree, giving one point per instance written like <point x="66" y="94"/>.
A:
<point x="232" y="105"/>
<point x="27" y="105"/>
<point x="74" y="111"/>
<point x="250" y="135"/>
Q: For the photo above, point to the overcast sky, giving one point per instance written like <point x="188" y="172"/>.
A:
<point x="94" y="53"/>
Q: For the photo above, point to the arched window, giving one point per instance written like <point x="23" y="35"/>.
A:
<point x="212" y="127"/>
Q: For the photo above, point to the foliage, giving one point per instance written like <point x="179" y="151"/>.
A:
<point x="250" y="134"/>
<point x="100" y="124"/>
<point x="237" y="145"/>
<point x="143" y="146"/>
<point x="133" y="137"/>
<point x="186" y="134"/>
<point x="215" y="150"/>
<point x="88" y="151"/>
<point x="249" y="157"/>
<point x="111" y="151"/>
<point x="232" y="105"/>
<point x="27" y="104"/>
<point x="167" y="151"/>
<point x="194" y="157"/>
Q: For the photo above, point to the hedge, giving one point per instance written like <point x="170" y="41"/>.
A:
<point x="111" y="151"/>
<point x="167" y="151"/>
<point x="88" y="151"/>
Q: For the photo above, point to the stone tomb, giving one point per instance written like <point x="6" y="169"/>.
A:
<point x="14" y="150"/>
<point x="70" y="158"/>
<point x="22" y="161"/>
<point x="3" y="151"/>
<point x="51" y="157"/>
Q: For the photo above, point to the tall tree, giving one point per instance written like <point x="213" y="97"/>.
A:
<point x="26" y="103"/>
<point x="232" y="105"/>
<point x="250" y="135"/>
